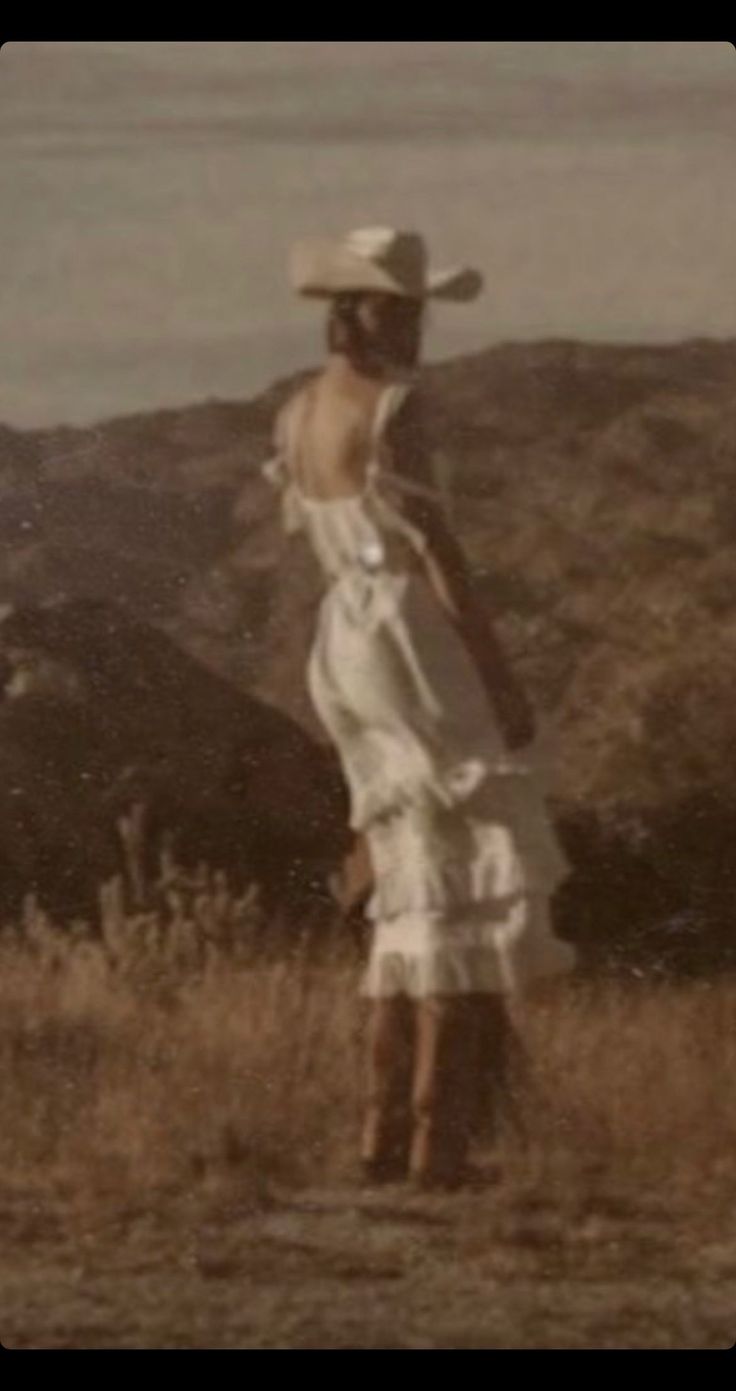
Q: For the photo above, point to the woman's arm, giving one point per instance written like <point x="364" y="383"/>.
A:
<point x="353" y="882"/>
<point x="449" y="575"/>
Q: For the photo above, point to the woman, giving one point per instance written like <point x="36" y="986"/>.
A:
<point x="433" y="732"/>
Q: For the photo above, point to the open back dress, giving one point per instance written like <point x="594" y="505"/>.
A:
<point x="464" y="855"/>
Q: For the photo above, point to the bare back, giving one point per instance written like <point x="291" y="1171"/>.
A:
<point x="328" y="430"/>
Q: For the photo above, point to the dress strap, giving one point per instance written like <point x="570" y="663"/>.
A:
<point x="277" y="471"/>
<point x="389" y="402"/>
<point x="294" y="420"/>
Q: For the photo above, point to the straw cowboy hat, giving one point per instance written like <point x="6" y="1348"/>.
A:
<point x="377" y="259"/>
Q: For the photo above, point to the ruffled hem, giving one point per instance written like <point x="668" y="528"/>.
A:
<point x="466" y="781"/>
<point x="421" y="957"/>
<point x="456" y="787"/>
<point x="471" y="860"/>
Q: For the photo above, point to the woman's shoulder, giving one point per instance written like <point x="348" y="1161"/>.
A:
<point x="292" y="409"/>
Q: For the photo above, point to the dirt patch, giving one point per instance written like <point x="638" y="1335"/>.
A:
<point x="341" y="1269"/>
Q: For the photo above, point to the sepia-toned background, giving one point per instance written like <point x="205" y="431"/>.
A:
<point x="150" y="191"/>
<point x="181" y="1039"/>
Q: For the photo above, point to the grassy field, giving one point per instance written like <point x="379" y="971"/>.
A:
<point x="178" y="1128"/>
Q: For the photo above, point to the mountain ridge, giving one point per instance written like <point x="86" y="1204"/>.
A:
<point x="593" y="494"/>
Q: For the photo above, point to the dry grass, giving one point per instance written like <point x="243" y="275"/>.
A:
<point x="177" y="1134"/>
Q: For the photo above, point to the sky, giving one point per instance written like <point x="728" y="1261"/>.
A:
<point x="150" y="192"/>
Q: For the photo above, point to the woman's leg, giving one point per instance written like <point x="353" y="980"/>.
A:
<point x="387" y="1122"/>
<point x="499" y="1072"/>
<point x="449" y="1044"/>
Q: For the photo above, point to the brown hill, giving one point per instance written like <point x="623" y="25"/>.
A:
<point x="118" y="750"/>
<point x="594" y="495"/>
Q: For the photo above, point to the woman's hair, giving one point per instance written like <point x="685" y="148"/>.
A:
<point x="373" y="328"/>
<point x="345" y="331"/>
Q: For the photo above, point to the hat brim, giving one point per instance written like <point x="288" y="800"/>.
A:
<point x="461" y="285"/>
<point x="321" y="269"/>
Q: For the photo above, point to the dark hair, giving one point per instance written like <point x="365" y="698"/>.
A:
<point x="345" y="332"/>
<point x="394" y="336"/>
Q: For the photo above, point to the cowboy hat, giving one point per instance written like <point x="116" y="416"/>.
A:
<point x="376" y="259"/>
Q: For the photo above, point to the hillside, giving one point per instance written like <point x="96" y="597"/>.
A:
<point x="594" y="494"/>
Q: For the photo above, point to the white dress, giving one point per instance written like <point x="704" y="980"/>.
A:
<point x="464" y="855"/>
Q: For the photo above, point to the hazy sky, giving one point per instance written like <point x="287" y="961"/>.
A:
<point x="149" y="193"/>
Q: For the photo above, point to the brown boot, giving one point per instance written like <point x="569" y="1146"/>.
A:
<point x="444" y="1093"/>
<point x="387" y="1120"/>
